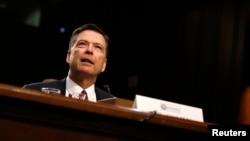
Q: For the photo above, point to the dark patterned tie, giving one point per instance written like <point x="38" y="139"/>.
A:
<point x="83" y="95"/>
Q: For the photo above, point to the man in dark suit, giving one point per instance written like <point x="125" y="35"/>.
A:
<point x="87" y="58"/>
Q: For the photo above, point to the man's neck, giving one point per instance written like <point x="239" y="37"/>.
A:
<point x="82" y="81"/>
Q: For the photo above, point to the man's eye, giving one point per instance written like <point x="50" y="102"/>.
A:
<point x="82" y="43"/>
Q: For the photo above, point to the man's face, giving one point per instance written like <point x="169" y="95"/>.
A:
<point x="88" y="54"/>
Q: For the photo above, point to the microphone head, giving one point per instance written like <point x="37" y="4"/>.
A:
<point x="106" y="86"/>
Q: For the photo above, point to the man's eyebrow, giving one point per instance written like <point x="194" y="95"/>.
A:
<point x="82" y="40"/>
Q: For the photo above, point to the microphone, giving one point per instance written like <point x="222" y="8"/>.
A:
<point x="106" y="86"/>
<point x="151" y="115"/>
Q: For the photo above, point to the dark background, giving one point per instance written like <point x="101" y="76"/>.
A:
<point x="186" y="51"/>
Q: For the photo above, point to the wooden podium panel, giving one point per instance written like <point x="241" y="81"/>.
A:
<point x="28" y="115"/>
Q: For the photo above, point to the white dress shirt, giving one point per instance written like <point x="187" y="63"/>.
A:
<point x="74" y="90"/>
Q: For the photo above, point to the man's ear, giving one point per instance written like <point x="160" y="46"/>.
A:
<point x="104" y="65"/>
<point x="68" y="56"/>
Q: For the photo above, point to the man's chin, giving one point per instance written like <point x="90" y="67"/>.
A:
<point x="86" y="71"/>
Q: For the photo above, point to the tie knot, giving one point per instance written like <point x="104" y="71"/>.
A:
<point x="83" y="95"/>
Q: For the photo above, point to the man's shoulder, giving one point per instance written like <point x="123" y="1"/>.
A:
<point x="38" y="85"/>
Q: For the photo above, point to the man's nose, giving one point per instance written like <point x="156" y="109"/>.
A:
<point x="90" y="47"/>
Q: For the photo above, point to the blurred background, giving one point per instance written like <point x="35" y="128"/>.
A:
<point x="186" y="51"/>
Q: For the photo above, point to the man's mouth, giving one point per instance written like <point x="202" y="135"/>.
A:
<point x="86" y="60"/>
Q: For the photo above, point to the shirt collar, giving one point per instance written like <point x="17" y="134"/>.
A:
<point x="73" y="88"/>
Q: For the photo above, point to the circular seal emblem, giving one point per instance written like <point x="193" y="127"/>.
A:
<point x="163" y="107"/>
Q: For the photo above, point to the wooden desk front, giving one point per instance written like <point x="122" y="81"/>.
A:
<point x="28" y="115"/>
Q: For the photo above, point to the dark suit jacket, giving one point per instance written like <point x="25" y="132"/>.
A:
<point x="61" y="84"/>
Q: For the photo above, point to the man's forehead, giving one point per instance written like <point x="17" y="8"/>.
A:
<point x="91" y="37"/>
